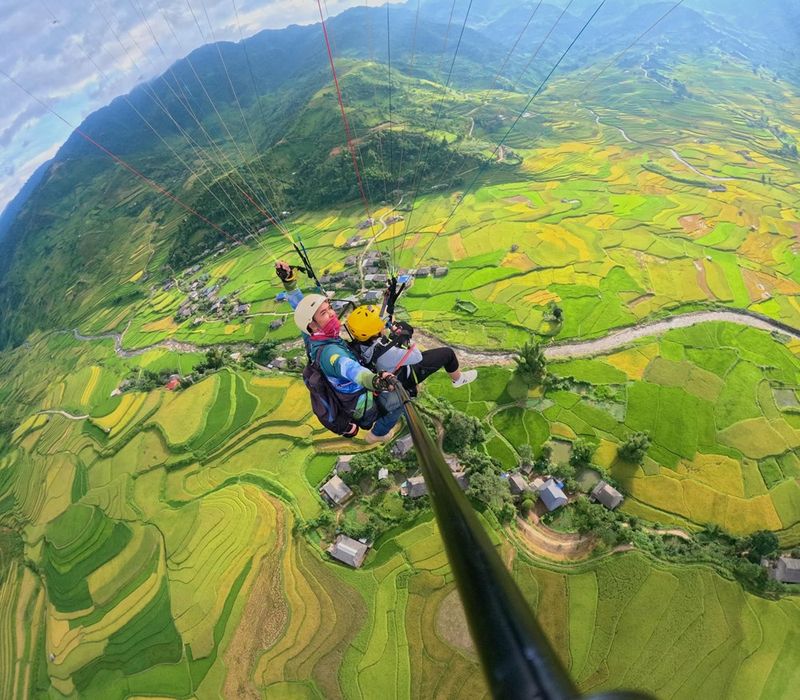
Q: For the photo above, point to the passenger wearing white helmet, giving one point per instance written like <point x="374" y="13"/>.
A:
<point x="352" y="383"/>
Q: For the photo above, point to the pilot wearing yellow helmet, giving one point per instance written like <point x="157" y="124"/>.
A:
<point x="391" y="350"/>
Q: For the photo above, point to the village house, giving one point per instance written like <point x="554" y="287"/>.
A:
<point x="452" y="462"/>
<point x="280" y="363"/>
<point x="365" y="224"/>
<point x="423" y="272"/>
<point x="277" y="323"/>
<point x="348" y="551"/>
<point x="343" y="464"/>
<point x="607" y="495"/>
<point x="402" y="446"/>
<point x="241" y="309"/>
<point x="173" y="383"/>
<point x="336" y="491"/>
<point x="787" y="570"/>
<point x="414" y="487"/>
<point x="440" y="271"/>
<point x="552" y="496"/>
<point x="373" y="296"/>
<point x="517" y="484"/>
<point x="462" y="480"/>
<point x="383" y="473"/>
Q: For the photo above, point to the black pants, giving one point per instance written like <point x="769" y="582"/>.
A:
<point x="432" y="361"/>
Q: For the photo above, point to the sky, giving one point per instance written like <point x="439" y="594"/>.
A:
<point x="77" y="55"/>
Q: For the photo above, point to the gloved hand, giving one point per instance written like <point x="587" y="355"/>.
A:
<point x="285" y="271"/>
<point x="384" y="381"/>
<point x="402" y="331"/>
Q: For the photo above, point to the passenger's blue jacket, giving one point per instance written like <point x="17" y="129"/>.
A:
<point x="337" y="361"/>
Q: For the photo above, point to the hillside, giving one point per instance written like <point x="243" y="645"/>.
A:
<point x="640" y="221"/>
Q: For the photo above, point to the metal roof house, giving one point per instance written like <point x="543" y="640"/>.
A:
<point x="453" y="463"/>
<point x="402" y="446"/>
<point x="336" y="491"/>
<point x="373" y="296"/>
<point x="348" y="551"/>
<point x="462" y="480"/>
<point x="414" y="487"/>
<point x="787" y="570"/>
<point x="343" y="464"/>
<point x="607" y="495"/>
<point x="517" y="484"/>
<point x="552" y="496"/>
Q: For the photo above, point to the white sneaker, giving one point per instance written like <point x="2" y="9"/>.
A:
<point x="466" y="377"/>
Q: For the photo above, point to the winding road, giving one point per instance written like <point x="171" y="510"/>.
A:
<point x="618" y="338"/>
<point x="58" y="412"/>
<point x="472" y="356"/>
<point x="713" y="178"/>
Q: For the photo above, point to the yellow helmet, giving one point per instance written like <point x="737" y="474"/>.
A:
<point x="365" y="322"/>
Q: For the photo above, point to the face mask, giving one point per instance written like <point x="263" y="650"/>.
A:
<point x="331" y="328"/>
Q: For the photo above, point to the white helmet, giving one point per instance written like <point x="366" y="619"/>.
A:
<point x="305" y="310"/>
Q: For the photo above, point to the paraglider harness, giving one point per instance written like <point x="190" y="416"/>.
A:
<point x="400" y="338"/>
<point x="335" y="409"/>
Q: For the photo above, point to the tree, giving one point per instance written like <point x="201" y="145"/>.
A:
<point x="635" y="447"/>
<point x="265" y="352"/>
<point x="761" y="544"/>
<point x="555" y="314"/>
<point x="525" y="453"/>
<point x="594" y="518"/>
<point x="368" y="463"/>
<point x="531" y="363"/>
<point x="475" y="461"/>
<point x="563" y="471"/>
<point x="215" y="358"/>
<point x="462" y="431"/>
<point x="7" y="428"/>
<point x="582" y="451"/>
<point x="542" y="464"/>
<point x="527" y="503"/>
<point x="487" y="487"/>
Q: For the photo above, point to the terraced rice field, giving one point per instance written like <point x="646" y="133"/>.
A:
<point x="723" y="450"/>
<point x="671" y="631"/>
<point x="160" y="547"/>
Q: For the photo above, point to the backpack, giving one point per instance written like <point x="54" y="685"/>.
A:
<point x="332" y="408"/>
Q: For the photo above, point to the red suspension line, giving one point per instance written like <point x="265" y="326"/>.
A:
<point x="346" y="123"/>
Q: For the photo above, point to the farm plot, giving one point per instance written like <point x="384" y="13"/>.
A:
<point x="629" y="622"/>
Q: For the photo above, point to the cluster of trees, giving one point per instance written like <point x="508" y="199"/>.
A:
<point x="531" y="364"/>
<point x="635" y="447"/>
<point x="366" y="465"/>
<point x="461" y="431"/>
<point x="485" y="484"/>
<point x="321" y="182"/>
<point x="7" y="429"/>
<point x="225" y="196"/>
<point x="147" y="380"/>
<point x="215" y="359"/>
<point x="265" y="352"/>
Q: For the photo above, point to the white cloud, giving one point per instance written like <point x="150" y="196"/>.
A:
<point x="9" y="186"/>
<point x="47" y="47"/>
